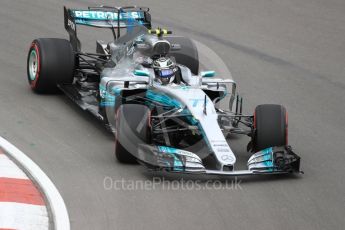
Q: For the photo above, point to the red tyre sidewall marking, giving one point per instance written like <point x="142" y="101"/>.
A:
<point x="34" y="82"/>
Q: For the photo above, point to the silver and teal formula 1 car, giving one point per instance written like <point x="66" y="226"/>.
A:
<point x="147" y="88"/>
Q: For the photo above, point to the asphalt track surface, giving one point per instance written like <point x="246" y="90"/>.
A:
<point x="289" y="52"/>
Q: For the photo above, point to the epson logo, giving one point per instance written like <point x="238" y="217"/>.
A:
<point x="71" y="24"/>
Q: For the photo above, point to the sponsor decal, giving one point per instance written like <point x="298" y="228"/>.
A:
<point x="223" y="150"/>
<point x="107" y="99"/>
<point x="71" y="24"/>
<point x="226" y="158"/>
<point x="220" y="145"/>
<point x="101" y="15"/>
<point x="218" y="141"/>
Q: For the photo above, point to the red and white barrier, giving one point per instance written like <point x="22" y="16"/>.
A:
<point x="22" y="206"/>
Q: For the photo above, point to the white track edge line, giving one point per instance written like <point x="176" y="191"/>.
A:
<point x="56" y="202"/>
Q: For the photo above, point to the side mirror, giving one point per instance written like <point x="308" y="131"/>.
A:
<point x="142" y="46"/>
<point x="142" y="73"/>
<point x="175" y="47"/>
<point x="208" y="74"/>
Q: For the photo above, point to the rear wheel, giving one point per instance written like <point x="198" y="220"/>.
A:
<point x="271" y="127"/>
<point x="132" y="129"/>
<point x="50" y="62"/>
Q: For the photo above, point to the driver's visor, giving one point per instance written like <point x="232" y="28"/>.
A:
<point x="166" y="73"/>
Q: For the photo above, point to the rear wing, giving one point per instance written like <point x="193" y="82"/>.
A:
<point x="105" y="17"/>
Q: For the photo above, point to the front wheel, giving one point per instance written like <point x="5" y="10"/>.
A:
<point x="132" y="129"/>
<point x="270" y="127"/>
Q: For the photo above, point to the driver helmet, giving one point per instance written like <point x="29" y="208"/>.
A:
<point x="164" y="69"/>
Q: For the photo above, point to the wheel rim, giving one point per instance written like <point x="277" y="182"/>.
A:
<point x="33" y="65"/>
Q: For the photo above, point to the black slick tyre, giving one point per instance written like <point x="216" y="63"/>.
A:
<point x="271" y="127"/>
<point x="50" y="61"/>
<point x="132" y="129"/>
